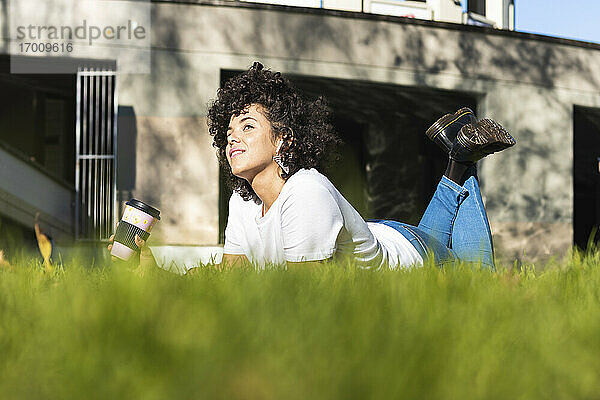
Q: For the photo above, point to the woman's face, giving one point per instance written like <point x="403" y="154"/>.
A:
<point x="249" y="147"/>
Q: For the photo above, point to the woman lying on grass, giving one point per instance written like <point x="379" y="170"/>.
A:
<point x="273" y="143"/>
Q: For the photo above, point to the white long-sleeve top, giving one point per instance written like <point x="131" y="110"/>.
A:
<point x="311" y="220"/>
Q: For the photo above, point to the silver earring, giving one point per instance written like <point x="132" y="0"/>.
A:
<point x="277" y="159"/>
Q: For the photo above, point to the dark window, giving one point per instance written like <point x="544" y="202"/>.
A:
<point x="476" y="6"/>
<point x="586" y="176"/>
<point x="37" y="120"/>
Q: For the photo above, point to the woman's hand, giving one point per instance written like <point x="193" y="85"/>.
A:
<point x="146" y="259"/>
<point x="111" y="240"/>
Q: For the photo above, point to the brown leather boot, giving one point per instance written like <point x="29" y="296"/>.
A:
<point x="444" y="130"/>
<point x="475" y="141"/>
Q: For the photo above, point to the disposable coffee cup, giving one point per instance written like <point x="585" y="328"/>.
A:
<point x="138" y="219"/>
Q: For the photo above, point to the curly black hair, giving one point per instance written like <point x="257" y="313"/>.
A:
<point x="307" y="123"/>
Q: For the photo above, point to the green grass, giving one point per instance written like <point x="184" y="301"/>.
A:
<point x="332" y="332"/>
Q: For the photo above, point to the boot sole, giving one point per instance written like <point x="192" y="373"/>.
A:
<point x="486" y="136"/>
<point x="442" y="123"/>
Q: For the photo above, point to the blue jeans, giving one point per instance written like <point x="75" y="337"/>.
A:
<point x="455" y="225"/>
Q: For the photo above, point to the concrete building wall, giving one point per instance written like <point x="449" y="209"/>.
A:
<point x="528" y="85"/>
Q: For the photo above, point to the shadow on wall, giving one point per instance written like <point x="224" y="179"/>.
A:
<point x="173" y="71"/>
<point x="425" y="51"/>
<point x="126" y="155"/>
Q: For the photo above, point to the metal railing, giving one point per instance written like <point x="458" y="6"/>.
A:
<point x="95" y="154"/>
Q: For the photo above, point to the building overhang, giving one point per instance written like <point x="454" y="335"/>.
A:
<point x="387" y="18"/>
